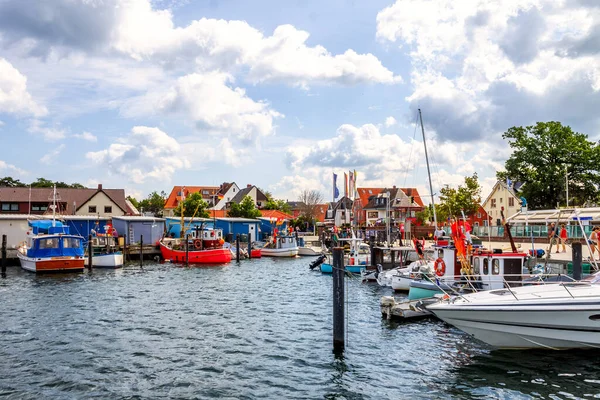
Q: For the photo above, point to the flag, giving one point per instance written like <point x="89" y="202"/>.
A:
<point x="351" y="184"/>
<point x="517" y="186"/>
<point x="354" y="182"/>
<point x="508" y="183"/>
<point x="345" y="184"/>
<point x="336" y="192"/>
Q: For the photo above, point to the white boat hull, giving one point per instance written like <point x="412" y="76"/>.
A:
<point x="400" y="282"/>
<point x="114" y="260"/>
<point x="542" y="322"/>
<point x="309" y="251"/>
<point x="290" y="252"/>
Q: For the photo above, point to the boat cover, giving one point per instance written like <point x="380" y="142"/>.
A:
<point x="45" y="226"/>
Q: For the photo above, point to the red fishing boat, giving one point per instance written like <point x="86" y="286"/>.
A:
<point x="206" y="247"/>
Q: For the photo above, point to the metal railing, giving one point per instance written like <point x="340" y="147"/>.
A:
<point x="536" y="231"/>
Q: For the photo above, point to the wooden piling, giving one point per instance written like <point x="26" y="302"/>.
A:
<point x="249" y="247"/>
<point x="141" y="251"/>
<point x="90" y="252"/>
<point x="3" y="256"/>
<point x="577" y="257"/>
<point x="237" y="248"/>
<point x="338" y="300"/>
<point x="187" y="250"/>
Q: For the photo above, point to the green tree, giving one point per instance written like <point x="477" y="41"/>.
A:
<point x="154" y="203"/>
<point x="246" y="209"/>
<point x="542" y="155"/>
<point x="275" y="204"/>
<point x="42" y="183"/>
<point x="193" y="206"/>
<point x="467" y="199"/>
<point x="133" y="201"/>
<point x="7" y="181"/>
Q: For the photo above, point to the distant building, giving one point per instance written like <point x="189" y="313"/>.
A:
<point x="371" y="204"/>
<point x="99" y="202"/>
<point x="501" y="196"/>
<point x="339" y="212"/>
<point x="258" y="197"/>
<point x="296" y="208"/>
<point x="179" y="192"/>
<point x="226" y="193"/>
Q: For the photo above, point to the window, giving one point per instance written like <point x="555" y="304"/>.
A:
<point x="10" y="206"/>
<point x="92" y="209"/>
<point x="496" y="267"/>
<point x="476" y="266"/>
<point x="48" y="243"/>
<point x="478" y="215"/>
<point x="71" y="243"/>
<point x="205" y="192"/>
<point x="486" y="267"/>
<point x="39" y="207"/>
<point x="108" y="209"/>
<point x="493" y="205"/>
<point x="511" y="202"/>
<point x="372" y="214"/>
<point x="500" y="199"/>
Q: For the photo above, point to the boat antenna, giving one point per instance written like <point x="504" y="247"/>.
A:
<point x="428" y="170"/>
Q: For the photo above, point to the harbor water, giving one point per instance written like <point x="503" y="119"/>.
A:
<point x="261" y="329"/>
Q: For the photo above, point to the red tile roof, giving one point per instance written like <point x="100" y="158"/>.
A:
<point x="321" y="212"/>
<point x="414" y="193"/>
<point x="365" y="193"/>
<point x="275" y="214"/>
<point x="174" y="197"/>
<point x="217" y="213"/>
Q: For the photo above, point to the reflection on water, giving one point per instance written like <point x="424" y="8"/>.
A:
<point x="258" y="329"/>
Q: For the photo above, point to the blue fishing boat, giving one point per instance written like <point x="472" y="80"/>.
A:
<point x="355" y="261"/>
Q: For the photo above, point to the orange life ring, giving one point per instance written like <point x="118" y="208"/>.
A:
<point x="440" y="267"/>
<point x="198" y="243"/>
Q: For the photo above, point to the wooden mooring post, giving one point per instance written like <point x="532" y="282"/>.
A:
<point x="237" y="248"/>
<point x="3" y="256"/>
<point x="141" y="251"/>
<point x="90" y="252"/>
<point x="249" y="247"/>
<point x="338" y="300"/>
<point x="187" y="250"/>
<point x="577" y="258"/>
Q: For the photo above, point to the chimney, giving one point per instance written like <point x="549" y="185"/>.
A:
<point x="394" y="187"/>
<point x="248" y="186"/>
<point x="99" y="186"/>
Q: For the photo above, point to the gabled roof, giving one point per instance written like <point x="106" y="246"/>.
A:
<point x="295" y="205"/>
<point x="343" y="203"/>
<point x="275" y="214"/>
<point x="413" y="192"/>
<point x="365" y="194"/>
<point x="175" y="197"/>
<point x="260" y="196"/>
<point x="68" y="196"/>
<point x="495" y="188"/>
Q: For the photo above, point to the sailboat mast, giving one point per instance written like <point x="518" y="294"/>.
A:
<point x="182" y="234"/>
<point x="428" y="171"/>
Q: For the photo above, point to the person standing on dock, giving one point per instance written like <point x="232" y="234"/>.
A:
<point x="563" y="238"/>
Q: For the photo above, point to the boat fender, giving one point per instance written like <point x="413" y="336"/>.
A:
<point x="351" y="260"/>
<point x="440" y="267"/>
<point x="197" y="244"/>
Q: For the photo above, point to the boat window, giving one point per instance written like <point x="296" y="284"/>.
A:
<point x="70" y="243"/>
<point x="486" y="268"/>
<point x="476" y="265"/>
<point x="440" y="253"/>
<point x="48" y="243"/>
<point x="282" y="240"/>
<point x="496" y="266"/>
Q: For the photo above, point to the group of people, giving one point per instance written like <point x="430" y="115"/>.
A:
<point x="561" y="235"/>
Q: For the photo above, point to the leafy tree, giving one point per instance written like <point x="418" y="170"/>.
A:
<point x="543" y="154"/>
<point x="133" y="201"/>
<point x="274" y="204"/>
<point x="42" y="183"/>
<point x="154" y="203"/>
<point x="246" y="209"/>
<point x="194" y="206"/>
<point x="7" y="181"/>
<point x="467" y="199"/>
<point x="77" y="186"/>
<point x="310" y="201"/>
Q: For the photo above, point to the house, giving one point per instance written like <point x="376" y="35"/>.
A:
<point x="402" y="208"/>
<point x="339" y="212"/>
<point x="69" y="201"/>
<point x="180" y="192"/>
<point x="258" y="197"/>
<point x="403" y="205"/>
<point x="226" y="193"/>
<point x="501" y="197"/>
<point x="296" y="208"/>
<point x="321" y="212"/>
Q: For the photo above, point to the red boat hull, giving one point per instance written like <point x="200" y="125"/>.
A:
<point x="255" y="253"/>
<point x="212" y="256"/>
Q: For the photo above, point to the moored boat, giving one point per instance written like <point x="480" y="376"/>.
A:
<point x="105" y="252"/>
<point x="50" y="248"/>
<point x="205" y="247"/>
<point x="281" y="246"/>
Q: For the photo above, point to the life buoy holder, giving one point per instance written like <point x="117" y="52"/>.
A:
<point x="440" y="267"/>
<point x="198" y="244"/>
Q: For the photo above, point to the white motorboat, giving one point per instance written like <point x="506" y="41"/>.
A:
<point x="400" y="281"/>
<point x="105" y="252"/>
<point x="281" y="246"/>
<point x="550" y="316"/>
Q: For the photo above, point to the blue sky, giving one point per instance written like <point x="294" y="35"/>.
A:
<point x="144" y="95"/>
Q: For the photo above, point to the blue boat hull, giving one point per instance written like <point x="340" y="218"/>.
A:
<point x="424" y="289"/>
<point x="355" y="269"/>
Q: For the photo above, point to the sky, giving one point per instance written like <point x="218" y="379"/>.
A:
<point x="148" y="94"/>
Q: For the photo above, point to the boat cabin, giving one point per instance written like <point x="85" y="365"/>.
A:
<point x="49" y="239"/>
<point x="390" y="257"/>
<point x="282" y="242"/>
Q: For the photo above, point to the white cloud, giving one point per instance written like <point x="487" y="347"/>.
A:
<point x="480" y="67"/>
<point x="215" y="107"/>
<point x="145" y="154"/>
<point x="137" y="29"/>
<point x="1" y="124"/>
<point x="6" y="167"/>
<point x="49" y="134"/>
<point x="390" y="121"/>
<point x="86" y="136"/>
<point x="14" y="97"/>
<point x="51" y="157"/>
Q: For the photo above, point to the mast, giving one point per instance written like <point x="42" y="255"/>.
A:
<point x="182" y="223"/>
<point x="428" y="171"/>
